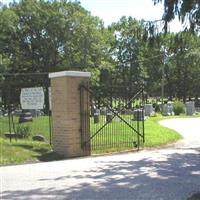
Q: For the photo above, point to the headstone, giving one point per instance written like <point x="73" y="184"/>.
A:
<point x="10" y="135"/>
<point x="109" y="117"/>
<point x="1" y="113"/>
<point x="96" y="116"/>
<point x="0" y="96"/>
<point x="38" y="138"/>
<point x="190" y="108"/>
<point x="25" y="117"/>
<point x="167" y="109"/>
<point x="18" y="112"/>
<point x="138" y="115"/>
<point x="170" y="108"/>
<point x="34" y="112"/>
<point x="103" y="111"/>
<point x="92" y="110"/>
<point x="148" y="109"/>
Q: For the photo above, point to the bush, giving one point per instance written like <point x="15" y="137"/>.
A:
<point x="178" y="107"/>
<point x="23" y="131"/>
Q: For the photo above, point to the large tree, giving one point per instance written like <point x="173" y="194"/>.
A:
<point x="46" y="36"/>
<point x="186" y="10"/>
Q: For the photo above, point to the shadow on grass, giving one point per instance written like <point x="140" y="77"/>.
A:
<point x="25" y="146"/>
<point x="50" y="156"/>
<point x="44" y="154"/>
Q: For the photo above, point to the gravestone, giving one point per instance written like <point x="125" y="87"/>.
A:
<point x="138" y="115"/>
<point x="92" y="110"/>
<point x="40" y="138"/>
<point x="170" y="108"/>
<point x="109" y="117"/>
<point x="18" y="112"/>
<point x="96" y="116"/>
<point x="103" y="111"/>
<point x="167" y="109"/>
<point x="10" y="135"/>
<point x="148" y="109"/>
<point x="190" y="108"/>
<point x="25" y="117"/>
<point x="35" y="112"/>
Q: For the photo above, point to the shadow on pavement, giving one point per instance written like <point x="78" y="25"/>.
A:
<point x="176" y="177"/>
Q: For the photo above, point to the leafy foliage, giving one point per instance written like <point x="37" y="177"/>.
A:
<point x="186" y="10"/>
<point x="48" y="36"/>
<point x="23" y="131"/>
<point x="178" y="107"/>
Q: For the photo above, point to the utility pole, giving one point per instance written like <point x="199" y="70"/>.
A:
<point x="163" y="77"/>
<point x="162" y="85"/>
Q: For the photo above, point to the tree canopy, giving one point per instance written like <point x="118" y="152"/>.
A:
<point x="186" y="10"/>
<point x="48" y="36"/>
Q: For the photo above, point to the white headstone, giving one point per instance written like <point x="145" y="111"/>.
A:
<point x="170" y="108"/>
<point x="167" y="109"/>
<point x="32" y="98"/>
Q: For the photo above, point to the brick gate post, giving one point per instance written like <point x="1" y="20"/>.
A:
<point x="66" y="117"/>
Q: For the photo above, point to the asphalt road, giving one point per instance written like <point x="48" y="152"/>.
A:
<point x="164" y="174"/>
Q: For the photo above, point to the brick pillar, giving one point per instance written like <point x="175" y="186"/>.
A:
<point x="65" y="98"/>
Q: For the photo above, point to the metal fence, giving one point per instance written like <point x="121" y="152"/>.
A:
<point x="116" y="118"/>
<point x="24" y="107"/>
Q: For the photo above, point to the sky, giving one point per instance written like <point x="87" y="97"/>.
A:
<point x="112" y="10"/>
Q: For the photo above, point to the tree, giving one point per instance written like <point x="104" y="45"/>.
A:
<point x="184" y="9"/>
<point x="48" y="36"/>
<point x="129" y="34"/>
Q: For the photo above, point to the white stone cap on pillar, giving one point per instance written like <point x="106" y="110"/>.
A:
<point x="69" y="73"/>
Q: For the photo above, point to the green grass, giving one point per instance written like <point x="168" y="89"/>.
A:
<point x="25" y="151"/>
<point x="39" y="126"/>
<point x="157" y="135"/>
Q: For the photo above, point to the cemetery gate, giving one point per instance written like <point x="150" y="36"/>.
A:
<point x="24" y="106"/>
<point x="116" y="118"/>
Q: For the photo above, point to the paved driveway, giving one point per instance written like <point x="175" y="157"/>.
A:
<point x="166" y="174"/>
<point x="189" y="128"/>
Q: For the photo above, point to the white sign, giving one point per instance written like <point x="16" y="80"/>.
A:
<point x="32" y="98"/>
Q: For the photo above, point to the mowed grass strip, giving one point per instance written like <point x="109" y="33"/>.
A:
<point x="25" y="151"/>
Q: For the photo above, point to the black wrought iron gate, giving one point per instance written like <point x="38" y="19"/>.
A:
<point x="116" y="118"/>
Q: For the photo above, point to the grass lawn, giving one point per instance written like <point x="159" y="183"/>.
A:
<point x="39" y="126"/>
<point x="24" y="151"/>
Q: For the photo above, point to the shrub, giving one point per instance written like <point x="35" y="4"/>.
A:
<point x="23" y="131"/>
<point x="178" y="107"/>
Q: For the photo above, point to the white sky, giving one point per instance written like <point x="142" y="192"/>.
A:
<point x="112" y="10"/>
